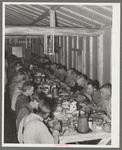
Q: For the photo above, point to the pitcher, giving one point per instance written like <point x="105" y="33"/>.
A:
<point x="83" y="126"/>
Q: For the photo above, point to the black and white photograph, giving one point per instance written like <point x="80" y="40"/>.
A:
<point x="60" y="85"/>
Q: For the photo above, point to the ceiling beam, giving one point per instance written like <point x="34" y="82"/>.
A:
<point x="24" y="37"/>
<point x="44" y="15"/>
<point x="34" y="30"/>
<point x="52" y="18"/>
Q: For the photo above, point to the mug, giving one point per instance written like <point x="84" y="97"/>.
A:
<point x="99" y="121"/>
<point x="107" y="127"/>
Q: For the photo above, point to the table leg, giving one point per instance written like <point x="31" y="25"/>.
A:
<point x="104" y="141"/>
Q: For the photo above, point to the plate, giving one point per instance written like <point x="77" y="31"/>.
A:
<point x="49" y="95"/>
<point x="94" y="117"/>
<point x="64" y="94"/>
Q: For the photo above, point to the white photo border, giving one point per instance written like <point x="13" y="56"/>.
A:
<point x="115" y="72"/>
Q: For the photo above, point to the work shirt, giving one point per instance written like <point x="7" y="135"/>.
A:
<point x="106" y="106"/>
<point x="35" y="131"/>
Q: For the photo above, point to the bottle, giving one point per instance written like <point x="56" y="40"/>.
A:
<point x="54" y="91"/>
<point x="43" y="78"/>
<point x="71" y="127"/>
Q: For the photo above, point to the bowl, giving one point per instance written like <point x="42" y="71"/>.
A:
<point x="49" y="95"/>
<point x="65" y="123"/>
<point x="107" y="127"/>
<point x="56" y="113"/>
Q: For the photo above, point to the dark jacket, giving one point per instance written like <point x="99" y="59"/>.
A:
<point x="76" y="88"/>
<point x="24" y="111"/>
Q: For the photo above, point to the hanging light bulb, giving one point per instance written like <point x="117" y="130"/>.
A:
<point x="49" y="44"/>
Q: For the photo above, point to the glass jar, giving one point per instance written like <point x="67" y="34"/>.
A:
<point x="71" y="127"/>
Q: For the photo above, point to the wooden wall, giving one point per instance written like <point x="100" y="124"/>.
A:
<point x="89" y="55"/>
<point x="107" y="55"/>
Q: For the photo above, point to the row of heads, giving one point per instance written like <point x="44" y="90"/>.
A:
<point x="77" y="76"/>
<point x="42" y="104"/>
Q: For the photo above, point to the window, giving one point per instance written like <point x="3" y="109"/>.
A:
<point x="17" y="51"/>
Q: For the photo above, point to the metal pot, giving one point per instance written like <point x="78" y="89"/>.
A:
<point x="43" y="79"/>
<point x="83" y="126"/>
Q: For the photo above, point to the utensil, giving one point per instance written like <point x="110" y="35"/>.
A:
<point x="63" y="132"/>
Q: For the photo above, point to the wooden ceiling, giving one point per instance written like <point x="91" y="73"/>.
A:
<point x="71" y="16"/>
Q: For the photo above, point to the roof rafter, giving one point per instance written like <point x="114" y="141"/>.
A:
<point x="44" y="15"/>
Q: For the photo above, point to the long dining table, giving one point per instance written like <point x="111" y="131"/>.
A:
<point x="75" y="137"/>
<point x="96" y="133"/>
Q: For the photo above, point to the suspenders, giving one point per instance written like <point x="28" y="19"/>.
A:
<point x="25" y="125"/>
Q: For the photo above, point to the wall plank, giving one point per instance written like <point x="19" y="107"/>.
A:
<point x="67" y="52"/>
<point x="70" y="52"/>
<point x="100" y="59"/>
<point x="37" y="46"/>
<point x="64" y="48"/>
<point x="73" y="57"/>
<point x="84" y="55"/>
<point x="76" y="53"/>
<point x="60" y="51"/>
<point x="52" y="24"/>
<point x="32" y="46"/>
<point x="95" y="58"/>
<point x="57" y="57"/>
<point x="87" y="58"/>
<point x="80" y="54"/>
<point x="91" y="57"/>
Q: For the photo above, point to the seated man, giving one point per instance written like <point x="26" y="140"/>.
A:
<point x="13" y="70"/>
<point x="41" y="64"/>
<point x="75" y="74"/>
<point x="37" y="82"/>
<point x="47" y="69"/>
<point x="29" y="107"/>
<point x="62" y="73"/>
<point x="18" y="77"/>
<point x="105" y="101"/>
<point x="68" y="79"/>
<point x="17" y="87"/>
<point x="32" y="129"/>
<point x="46" y="59"/>
<point x="22" y="60"/>
<point x="90" y="88"/>
<point x="23" y="98"/>
<point x="31" y="68"/>
<point x="56" y="71"/>
<point x="53" y="67"/>
<point x="79" y="85"/>
<point x="102" y="98"/>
